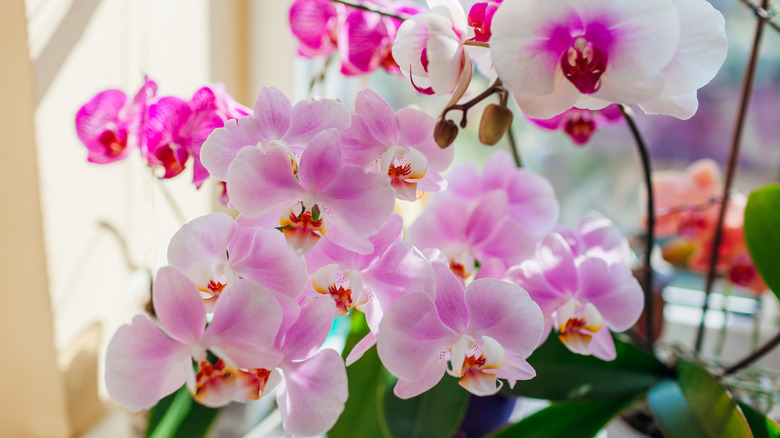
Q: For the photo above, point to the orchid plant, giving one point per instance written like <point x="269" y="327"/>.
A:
<point x="486" y="285"/>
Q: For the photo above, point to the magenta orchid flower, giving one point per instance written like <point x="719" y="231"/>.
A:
<point x="108" y="125"/>
<point x="365" y="41"/>
<point x="214" y="251"/>
<point x="429" y="48"/>
<point x="580" y="124"/>
<point x="145" y="362"/>
<point x="399" y="143"/>
<point x="177" y="129"/>
<point x="480" y="18"/>
<point x="485" y="331"/>
<point x="563" y="54"/>
<point x="583" y="297"/>
<point x="274" y="122"/>
<point x="315" y="24"/>
<point x="317" y="198"/>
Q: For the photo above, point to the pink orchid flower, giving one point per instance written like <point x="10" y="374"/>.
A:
<point x="145" y="362"/>
<point x="365" y="41"/>
<point x="177" y="129"/>
<point x="582" y="296"/>
<point x="682" y="198"/>
<point x="580" y="124"/>
<point x="530" y="198"/>
<point x="485" y="331"/>
<point x="429" y="48"/>
<point x="399" y="143"/>
<point x="274" y="122"/>
<point x="109" y="126"/>
<point x="555" y="56"/>
<point x="471" y="234"/>
<point x="214" y="251"/>
<point x="597" y="236"/>
<point x="319" y="197"/>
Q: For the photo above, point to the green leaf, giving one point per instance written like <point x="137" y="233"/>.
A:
<point x="762" y="233"/>
<point x="570" y="420"/>
<point x="366" y="388"/>
<point x="179" y="416"/>
<point x="696" y="405"/>
<point x="437" y="412"/>
<point x="565" y="376"/>
<point x="760" y="425"/>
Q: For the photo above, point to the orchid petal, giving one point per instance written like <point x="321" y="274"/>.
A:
<point x="203" y="238"/>
<point x="261" y="181"/>
<point x="613" y="290"/>
<point x="320" y="161"/>
<point x="178" y="306"/>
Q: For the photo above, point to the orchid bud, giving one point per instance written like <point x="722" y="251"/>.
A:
<point x="496" y="120"/>
<point x="445" y="132"/>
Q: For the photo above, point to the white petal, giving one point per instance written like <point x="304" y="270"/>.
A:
<point x="683" y="107"/>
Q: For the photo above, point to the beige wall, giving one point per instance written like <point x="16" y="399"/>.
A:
<point x="68" y="281"/>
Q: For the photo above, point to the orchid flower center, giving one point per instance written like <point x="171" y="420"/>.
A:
<point x="577" y="324"/>
<point x="404" y="167"/>
<point x="346" y="289"/>
<point x="113" y="142"/>
<point x="213" y="380"/>
<point x="302" y="230"/>
<point x="580" y="127"/>
<point x="469" y="361"/>
<point x="583" y="64"/>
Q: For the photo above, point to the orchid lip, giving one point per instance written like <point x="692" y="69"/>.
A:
<point x="583" y="63"/>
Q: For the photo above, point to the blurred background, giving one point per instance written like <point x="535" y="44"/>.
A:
<point x="78" y="239"/>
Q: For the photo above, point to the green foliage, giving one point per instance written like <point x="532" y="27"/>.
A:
<point x="437" y="412"/>
<point x="565" y="376"/>
<point x="179" y="416"/>
<point x="366" y="387"/>
<point x="762" y="233"/>
<point x="760" y="425"/>
<point x="696" y="405"/>
<point x="570" y="420"/>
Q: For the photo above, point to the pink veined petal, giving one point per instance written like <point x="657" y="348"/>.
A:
<point x="505" y="312"/>
<point x="530" y="276"/>
<point x="222" y="145"/>
<point x="203" y="238"/>
<point x="450" y="298"/>
<point x="259" y="182"/>
<point x="312" y="22"/>
<point x="416" y="131"/>
<point x="508" y="241"/>
<point x="309" y="118"/>
<point x="557" y="261"/>
<point x="427" y="378"/>
<point x="101" y="114"/>
<point x="391" y="233"/>
<point x="486" y="215"/>
<point x="340" y="234"/>
<point x="320" y="161"/>
<point x="515" y="368"/>
<point x="613" y="290"/>
<point x="442" y="223"/>
<point x="364" y="200"/>
<point x="310" y="330"/>
<point x="262" y="255"/>
<point x="360" y="348"/>
<point x="273" y="113"/>
<point x="401" y="270"/>
<point x="603" y="239"/>
<point x="362" y="40"/>
<point x="379" y="115"/>
<point x="358" y="143"/>
<point x="432" y="182"/>
<point x="144" y="365"/>
<point x="166" y="118"/>
<point x="313" y="393"/>
<point x="412" y="337"/>
<point x="246" y="320"/>
<point x="178" y="306"/>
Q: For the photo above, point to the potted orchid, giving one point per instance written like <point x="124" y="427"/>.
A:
<point x="485" y="288"/>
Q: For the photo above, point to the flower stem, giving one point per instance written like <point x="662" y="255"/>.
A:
<point x="464" y="107"/>
<point x="763" y="14"/>
<point x="747" y="86"/>
<point x="476" y="43"/>
<point x="647" y="267"/>
<point x="513" y="146"/>
<point x="371" y="9"/>
<point x="754" y="356"/>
